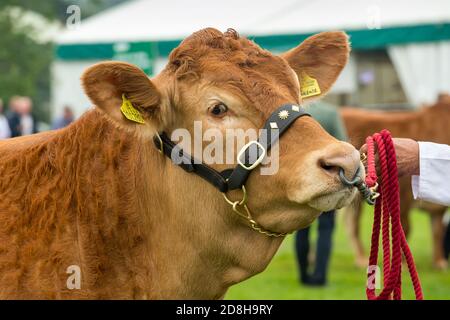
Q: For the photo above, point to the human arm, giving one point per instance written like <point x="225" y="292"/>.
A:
<point x="433" y="181"/>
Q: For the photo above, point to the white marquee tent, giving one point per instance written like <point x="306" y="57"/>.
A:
<point x="416" y="34"/>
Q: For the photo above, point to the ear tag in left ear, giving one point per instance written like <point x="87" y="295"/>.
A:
<point x="308" y="86"/>
<point x="130" y="112"/>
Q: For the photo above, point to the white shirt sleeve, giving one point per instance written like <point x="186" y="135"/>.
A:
<point x="433" y="183"/>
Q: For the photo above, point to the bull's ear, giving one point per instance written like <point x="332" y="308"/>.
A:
<point x="318" y="61"/>
<point x="123" y="92"/>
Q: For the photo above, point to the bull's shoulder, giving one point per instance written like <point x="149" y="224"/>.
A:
<point x="19" y="144"/>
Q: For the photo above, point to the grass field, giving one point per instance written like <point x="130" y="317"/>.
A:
<point x="279" y="280"/>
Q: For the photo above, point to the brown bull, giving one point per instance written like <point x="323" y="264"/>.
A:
<point x="98" y="198"/>
<point x="427" y="124"/>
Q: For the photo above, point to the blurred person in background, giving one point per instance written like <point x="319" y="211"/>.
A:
<point x="64" y="120"/>
<point x="21" y="120"/>
<point x="328" y="116"/>
<point x="5" y="131"/>
<point x="12" y="116"/>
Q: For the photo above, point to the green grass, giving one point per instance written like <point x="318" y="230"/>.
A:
<point x="279" y="280"/>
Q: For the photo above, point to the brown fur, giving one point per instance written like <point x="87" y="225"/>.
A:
<point x="60" y="213"/>
<point x="427" y="124"/>
<point x="99" y="195"/>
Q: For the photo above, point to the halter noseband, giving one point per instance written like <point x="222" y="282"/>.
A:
<point x="249" y="157"/>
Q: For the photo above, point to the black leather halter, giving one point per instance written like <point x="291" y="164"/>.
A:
<point x="250" y="156"/>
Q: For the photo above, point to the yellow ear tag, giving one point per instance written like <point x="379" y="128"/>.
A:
<point x="130" y="112"/>
<point x="308" y="86"/>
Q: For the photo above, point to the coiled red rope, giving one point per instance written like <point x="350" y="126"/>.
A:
<point x="387" y="218"/>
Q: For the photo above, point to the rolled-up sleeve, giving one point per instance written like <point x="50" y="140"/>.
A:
<point x="433" y="183"/>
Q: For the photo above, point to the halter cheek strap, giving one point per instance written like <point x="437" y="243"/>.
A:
<point x="249" y="157"/>
<point x="278" y="122"/>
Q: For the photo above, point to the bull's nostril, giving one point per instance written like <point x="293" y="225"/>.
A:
<point x="329" y="167"/>
<point x="343" y="159"/>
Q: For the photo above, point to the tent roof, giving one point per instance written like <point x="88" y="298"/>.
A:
<point x="162" y="20"/>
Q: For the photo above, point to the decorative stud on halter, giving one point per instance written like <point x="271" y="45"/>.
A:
<point x="283" y="114"/>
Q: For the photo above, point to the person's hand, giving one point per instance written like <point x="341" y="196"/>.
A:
<point x="408" y="160"/>
<point x="407" y="151"/>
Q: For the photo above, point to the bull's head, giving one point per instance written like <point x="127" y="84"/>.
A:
<point x="224" y="81"/>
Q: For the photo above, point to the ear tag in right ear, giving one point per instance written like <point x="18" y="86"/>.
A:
<point x="308" y="86"/>
<point x="130" y="112"/>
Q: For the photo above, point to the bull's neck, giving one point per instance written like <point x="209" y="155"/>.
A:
<point x="202" y="247"/>
<point x="104" y="168"/>
<point x="171" y="225"/>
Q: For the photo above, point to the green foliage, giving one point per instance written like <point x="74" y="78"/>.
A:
<point x="47" y="8"/>
<point x="56" y="9"/>
<point x="24" y="66"/>
<point x="25" y="63"/>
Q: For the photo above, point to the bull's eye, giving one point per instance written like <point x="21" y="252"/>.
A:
<point x="219" y="110"/>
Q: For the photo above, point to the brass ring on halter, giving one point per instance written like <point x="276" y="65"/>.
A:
<point x="242" y="202"/>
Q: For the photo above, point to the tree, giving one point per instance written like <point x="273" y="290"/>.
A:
<point x="24" y="65"/>
<point x="24" y="61"/>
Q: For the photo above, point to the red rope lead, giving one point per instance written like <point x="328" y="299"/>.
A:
<point x="386" y="215"/>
